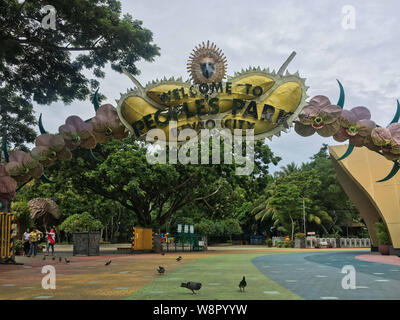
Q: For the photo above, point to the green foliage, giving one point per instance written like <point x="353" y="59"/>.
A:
<point x="18" y="245"/>
<point x="382" y="233"/>
<point x="22" y="213"/>
<point x="327" y="207"/>
<point x="227" y="227"/>
<point x="81" y="222"/>
<point x="50" y="65"/>
<point x="300" y="235"/>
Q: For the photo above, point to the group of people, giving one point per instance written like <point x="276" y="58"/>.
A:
<point x="31" y="239"/>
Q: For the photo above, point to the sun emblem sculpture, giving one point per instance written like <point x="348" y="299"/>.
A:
<point x="207" y="64"/>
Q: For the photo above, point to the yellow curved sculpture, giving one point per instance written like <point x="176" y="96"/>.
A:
<point x="358" y="174"/>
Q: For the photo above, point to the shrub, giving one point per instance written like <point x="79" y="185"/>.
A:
<point x="22" y="213"/>
<point x="81" y="222"/>
<point x="300" y="235"/>
<point x="288" y="244"/>
<point x="18" y="246"/>
<point x="382" y="233"/>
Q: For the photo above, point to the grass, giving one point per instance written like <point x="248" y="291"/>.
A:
<point x="220" y="276"/>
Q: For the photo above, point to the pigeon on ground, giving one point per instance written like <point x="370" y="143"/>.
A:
<point x="108" y="262"/>
<point x="54" y="258"/>
<point x="242" y="284"/>
<point x="191" y="286"/>
<point x="161" y="270"/>
<point x="59" y="259"/>
<point x="44" y="258"/>
<point x="179" y="258"/>
<point x="67" y="261"/>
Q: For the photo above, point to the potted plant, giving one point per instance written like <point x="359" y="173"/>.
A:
<point x="85" y="230"/>
<point x="19" y="248"/>
<point x="300" y="240"/>
<point x="383" y="238"/>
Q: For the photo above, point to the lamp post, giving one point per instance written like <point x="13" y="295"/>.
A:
<point x="304" y="215"/>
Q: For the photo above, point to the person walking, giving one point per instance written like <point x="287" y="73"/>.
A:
<point x="51" y="240"/>
<point x="25" y="241"/>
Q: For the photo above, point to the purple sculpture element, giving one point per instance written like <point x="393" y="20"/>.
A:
<point x="50" y="148"/>
<point x="319" y="116"/>
<point x="7" y="185"/>
<point x="388" y="139"/>
<point x="356" y="126"/>
<point x="22" y="166"/>
<point x="77" y="132"/>
<point x="106" y="124"/>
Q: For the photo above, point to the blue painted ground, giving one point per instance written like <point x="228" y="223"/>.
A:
<point x="316" y="276"/>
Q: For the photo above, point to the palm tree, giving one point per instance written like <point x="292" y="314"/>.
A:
<point x="287" y="170"/>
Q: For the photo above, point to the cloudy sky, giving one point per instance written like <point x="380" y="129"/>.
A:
<point x="263" y="33"/>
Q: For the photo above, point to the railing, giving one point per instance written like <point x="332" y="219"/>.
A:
<point x="343" y="242"/>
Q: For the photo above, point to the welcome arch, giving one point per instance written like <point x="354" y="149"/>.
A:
<point x="258" y="99"/>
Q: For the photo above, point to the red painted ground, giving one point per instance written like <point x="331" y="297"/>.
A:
<point x="377" y="257"/>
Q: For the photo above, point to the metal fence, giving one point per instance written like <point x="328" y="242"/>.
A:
<point x="184" y="242"/>
<point x="343" y="242"/>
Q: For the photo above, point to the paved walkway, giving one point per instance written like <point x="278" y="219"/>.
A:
<point x="318" y="276"/>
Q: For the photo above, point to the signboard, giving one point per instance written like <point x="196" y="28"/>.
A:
<point x="191" y="228"/>
<point x="256" y="98"/>
<point x="179" y="228"/>
<point x="310" y="233"/>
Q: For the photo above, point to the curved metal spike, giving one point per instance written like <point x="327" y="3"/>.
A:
<point x="340" y="102"/>
<point x="5" y="150"/>
<point x="92" y="156"/>
<point x="349" y="150"/>
<point x="95" y="100"/>
<point x="23" y="184"/>
<point x="41" y="128"/>
<point x="392" y="173"/>
<point x="286" y="63"/>
<point x="397" y="115"/>
<point x="45" y="179"/>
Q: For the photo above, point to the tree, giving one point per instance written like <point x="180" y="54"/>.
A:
<point x="37" y="63"/>
<point x="326" y="205"/>
<point x="80" y="222"/>
<point x="23" y="214"/>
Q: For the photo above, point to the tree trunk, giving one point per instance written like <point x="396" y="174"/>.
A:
<point x="292" y="227"/>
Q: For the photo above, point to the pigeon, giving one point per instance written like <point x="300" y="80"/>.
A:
<point x="161" y="270"/>
<point x="44" y="258"/>
<point x="59" y="259"/>
<point x="163" y="254"/>
<point x="54" y="258"/>
<point x="179" y="258"/>
<point x="191" y="286"/>
<point x="242" y="284"/>
<point x="108" y="263"/>
<point x="67" y="261"/>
